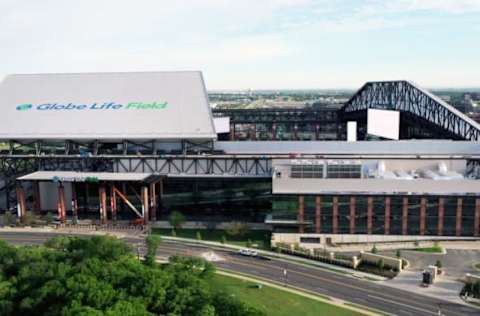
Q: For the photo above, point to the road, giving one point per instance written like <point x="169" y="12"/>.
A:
<point x="320" y="281"/>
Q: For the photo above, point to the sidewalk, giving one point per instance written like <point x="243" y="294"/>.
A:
<point x="444" y="288"/>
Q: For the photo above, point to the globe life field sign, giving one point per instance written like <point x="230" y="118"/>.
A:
<point x="115" y="106"/>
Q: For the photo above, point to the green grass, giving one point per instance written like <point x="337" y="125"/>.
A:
<point x="429" y="249"/>
<point x="275" y="302"/>
<point x="258" y="237"/>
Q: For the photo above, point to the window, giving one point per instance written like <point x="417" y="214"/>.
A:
<point x="344" y="171"/>
<point x="306" y="171"/>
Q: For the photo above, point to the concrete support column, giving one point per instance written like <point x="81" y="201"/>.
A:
<point x="318" y="214"/>
<point x="253" y="132"/>
<point x="21" y="207"/>
<point x="103" y="203"/>
<point x="317" y="131"/>
<point x="353" y="203"/>
<point x="477" y="218"/>
<point x="37" y="205"/>
<point x="113" y="203"/>
<point x="458" y="221"/>
<point x="74" y="203"/>
<point x="295" y="132"/>
<point x="153" y="201"/>
<point x="301" y="213"/>
<point x="369" y="215"/>
<point x="61" y="204"/>
<point x="274" y="131"/>
<point x="405" y="215"/>
<point x="388" y="201"/>
<point x="423" y="214"/>
<point x="441" y="215"/>
<point x="335" y="215"/>
<point x="232" y="131"/>
<point x="145" y="203"/>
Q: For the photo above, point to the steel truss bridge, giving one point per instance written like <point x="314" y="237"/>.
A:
<point x="415" y="105"/>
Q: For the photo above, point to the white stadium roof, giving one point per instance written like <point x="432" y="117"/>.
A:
<point x="106" y="106"/>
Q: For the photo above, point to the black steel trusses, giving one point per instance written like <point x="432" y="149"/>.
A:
<point x="406" y="97"/>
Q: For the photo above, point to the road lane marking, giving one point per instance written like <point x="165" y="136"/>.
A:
<point x="401" y="304"/>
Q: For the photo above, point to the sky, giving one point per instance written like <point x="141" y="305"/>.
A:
<point x="257" y="44"/>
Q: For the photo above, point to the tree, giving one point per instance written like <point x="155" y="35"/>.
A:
<point x="439" y="264"/>
<point x="398" y="254"/>
<point x="223" y="240"/>
<point x="381" y="264"/>
<point x="236" y="229"/>
<point x="76" y="276"/>
<point x="9" y="219"/>
<point x="153" y="242"/>
<point x="176" y="220"/>
<point x="48" y="218"/>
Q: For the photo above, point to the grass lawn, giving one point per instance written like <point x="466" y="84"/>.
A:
<point x="275" y="302"/>
<point x="429" y="249"/>
<point x="259" y="237"/>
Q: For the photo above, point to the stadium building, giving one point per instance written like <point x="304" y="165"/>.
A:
<point x="394" y="160"/>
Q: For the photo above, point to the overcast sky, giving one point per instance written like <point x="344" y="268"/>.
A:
<point x="257" y="44"/>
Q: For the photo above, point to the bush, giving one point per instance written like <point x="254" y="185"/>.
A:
<point x="199" y="236"/>
<point x="29" y="219"/>
<point x="48" y="218"/>
<point x="173" y="233"/>
<point x="249" y="243"/>
<point x="223" y="240"/>
<point x="9" y="219"/>
<point x="374" y="249"/>
<point x="236" y="229"/>
<point x="398" y="254"/>
<point x="439" y="264"/>
<point x="176" y="220"/>
<point x="381" y="264"/>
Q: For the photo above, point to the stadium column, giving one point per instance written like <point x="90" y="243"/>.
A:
<point x="153" y="201"/>
<point x="113" y="203"/>
<point x="61" y="203"/>
<point x="103" y="203"/>
<point x="388" y="201"/>
<point x="352" y="214"/>
<point x="405" y="215"/>
<point x="318" y="211"/>
<point x="476" y="229"/>
<point x="36" y="197"/>
<point x="458" y="220"/>
<point x="232" y="131"/>
<point x="301" y="213"/>
<point x="21" y="208"/>
<point x="274" y="131"/>
<point x="74" y="203"/>
<point x="317" y="131"/>
<point x="145" y="203"/>
<point x="369" y="214"/>
<point x="335" y="215"/>
<point x="423" y="211"/>
<point x="253" y="132"/>
<point x="295" y="131"/>
<point x="441" y="215"/>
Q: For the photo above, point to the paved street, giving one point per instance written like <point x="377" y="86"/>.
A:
<point x="323" y="282"/>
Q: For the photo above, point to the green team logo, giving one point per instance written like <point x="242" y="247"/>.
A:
<point x="24" y="107"/>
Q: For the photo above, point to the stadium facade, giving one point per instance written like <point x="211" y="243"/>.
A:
<point x="120" y="146"/>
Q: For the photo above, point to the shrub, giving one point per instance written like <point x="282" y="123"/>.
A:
<point x="439" y="264"/>
<point x="381" y="264"/>
<point x="173" y="233"/>
<point x="398" y="254"/>
<point x="236" y="229"/>
<point x="29" y="219"/>
<point x="249" y="243"/>
<point x="48" y="218"/>
<point x="199" y="236"/>
<point x="9" y="219"/>
<point x="223" y="240"/>
<point x="374" y="249"/>
<point x="176" y="220"/>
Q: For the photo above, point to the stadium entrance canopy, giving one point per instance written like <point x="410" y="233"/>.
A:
<point x="161" y="106"/>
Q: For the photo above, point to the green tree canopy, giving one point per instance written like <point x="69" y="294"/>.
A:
<point x="75" y="276"/>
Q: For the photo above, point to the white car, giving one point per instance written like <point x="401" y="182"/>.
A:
<point x="248" y="252"/>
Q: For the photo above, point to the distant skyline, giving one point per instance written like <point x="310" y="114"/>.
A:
<point x="268" y="44"/>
